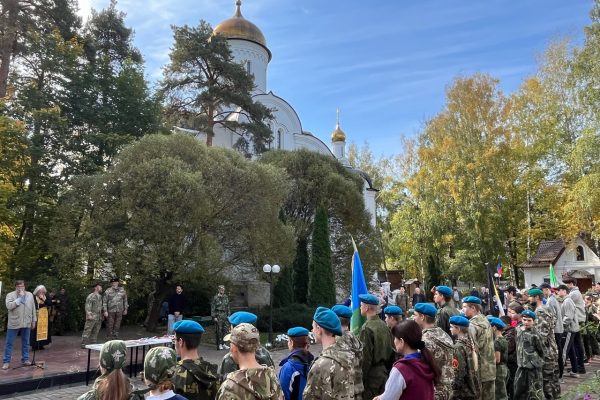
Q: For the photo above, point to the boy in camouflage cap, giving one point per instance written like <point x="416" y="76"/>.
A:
<point x="530" y="359"/>
<point x="252" y="380"/>
<point x="159" y="368"/>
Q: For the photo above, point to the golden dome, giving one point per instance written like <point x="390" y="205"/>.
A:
<point x="238" y="27"/>
<point x="338" y="134"/>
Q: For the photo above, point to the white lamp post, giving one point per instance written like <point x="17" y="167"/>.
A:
<point x="270" y="270"/>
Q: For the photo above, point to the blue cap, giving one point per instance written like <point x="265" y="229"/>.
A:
<point x="426" y="309"/>
<point x="328" y="320"/>
<point x="342" y="311"/>
<point x="497" y="322"/>
<point x="444" y="290"/>
<point x="392" y="310"/>
<point x="242" y="317"/>
<point x="529" y="314"/>
<point x="369" y="299"/>
<point x="188" y="326"/>
<point x="472" y="300"/>
<point x="459" y="320"/>
<point x="297" y="331"/>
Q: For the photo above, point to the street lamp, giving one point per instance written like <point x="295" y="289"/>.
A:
<point x="270" y="270"/>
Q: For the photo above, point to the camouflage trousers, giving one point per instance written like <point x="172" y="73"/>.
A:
<point x="528" y="384"/>
<point x="510" y="381"/>
<point x="113" y="324"/>
<point x="550" y="376"/>
<point x="487" y="388"/>
<point x="222" y="326"/>
<point x="374" y="382"/>
<point x="501" y="379"/>
<point x="590" y="345"/>
<point x="90" y="331"/>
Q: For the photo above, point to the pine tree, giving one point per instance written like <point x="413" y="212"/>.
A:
<point x="321" y="286"/>
<point x="283" y="293"/>
<point x="300" y="274"/>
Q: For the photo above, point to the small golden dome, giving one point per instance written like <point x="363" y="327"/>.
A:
<point x="338" y="134"/>
<point x="238" y="27"/>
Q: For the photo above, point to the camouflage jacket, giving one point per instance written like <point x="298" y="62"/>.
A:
<point x="481" y="332"/>
<point x="545" y="323"/>
<point x="93" y="307"/>
<point x="194" y="380"/>
<point x="440" y="344"/>
<point x="349" y="342"/>
<point x="219" y="305"/>
<point x="442" y="318"/>
<point x="501" y="346"/>
<point x="530" y="351"/>
<point x="466" y="384"/>
<point x="331" y="375"/>
<point x="403" y="302"/>
<point x="263" y="357"/>
<point x="250" y="384"/>
<point x="115" y="300"/>
<point x="377" y="347"/>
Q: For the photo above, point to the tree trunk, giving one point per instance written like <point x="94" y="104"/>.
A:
<point x="7" y="42"/>
<point x="162" y="289"/>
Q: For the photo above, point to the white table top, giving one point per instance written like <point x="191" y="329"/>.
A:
<point x="135" y="343"/>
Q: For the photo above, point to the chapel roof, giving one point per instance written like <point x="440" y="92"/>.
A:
<point x="547" y="253"/>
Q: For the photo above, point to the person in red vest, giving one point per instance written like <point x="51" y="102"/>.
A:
<point x="415" y="374"/>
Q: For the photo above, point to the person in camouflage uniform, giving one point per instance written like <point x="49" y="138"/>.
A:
<point x="219" y="310"/>
<point x="440" y="344"/>
<point x="331" y="375"/>
<point x="466" y="384"/>
<point x="252" y="381"/>
<point x="510" y="333"/>
<point x="481" y="332"/>
<point x="93" y="316"/>
<point x="114" y="305"/>
<point x="194" y="378"/>
<point x="113" y="358"/>
<point x="393" y="316"/>
<point x="160" y="364"/>
<point x="443" y="300"/>
<point x="530" y="359"/>
<point x="402" y="300"/>
<point x="545" y="323"/>
<point x="349" y="342"/>
<point x="501" y="352"/>
<point x="228" y="364"/>
<point x="378" y="351"/>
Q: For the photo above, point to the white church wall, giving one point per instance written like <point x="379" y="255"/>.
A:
<point x="243" y="52"/>
<point x="369" y="199"/>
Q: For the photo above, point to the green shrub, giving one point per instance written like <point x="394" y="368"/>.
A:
<point x="285" y="318"/>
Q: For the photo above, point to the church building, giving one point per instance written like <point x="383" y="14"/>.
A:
<point x="249" y="47"/>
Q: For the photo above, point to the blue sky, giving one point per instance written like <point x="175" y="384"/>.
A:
<point x="385" y="63"/>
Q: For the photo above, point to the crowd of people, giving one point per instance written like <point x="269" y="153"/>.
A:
<point x="418" y="351"/>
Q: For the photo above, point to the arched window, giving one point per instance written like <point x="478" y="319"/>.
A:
<point x="580" y="255"/>
<point x="248" y="67"/>
<point x="279" y="138"/>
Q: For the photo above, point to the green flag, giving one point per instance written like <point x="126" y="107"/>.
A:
<point x="553" y="280"/>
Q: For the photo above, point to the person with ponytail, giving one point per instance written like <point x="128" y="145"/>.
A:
<point x="112" y="384"/>
<point x="415" y="374"/>
<point x="159" y="366"/>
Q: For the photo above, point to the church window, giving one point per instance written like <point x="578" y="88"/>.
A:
<point x="580" y="256"/>
<point x="248" y="70"/>
<point x="279" y="138"/>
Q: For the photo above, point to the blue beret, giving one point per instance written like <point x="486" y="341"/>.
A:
<point x="342" y="311"/>
<point x="328" y="320"/>
<point x="369" y="299"/>
<point x="297" y="332"/>
<point x="444" y="290"/>
<point x="472" y="300"/>
<point x="242" y="317"/>
<point x="392" y="310"/>
<point x="188" y="326"/>
<point x="528" y="313"/>
<point x="459" y="320"/>
<point x="426" y="308"/>
<point x="497" y="322"/>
